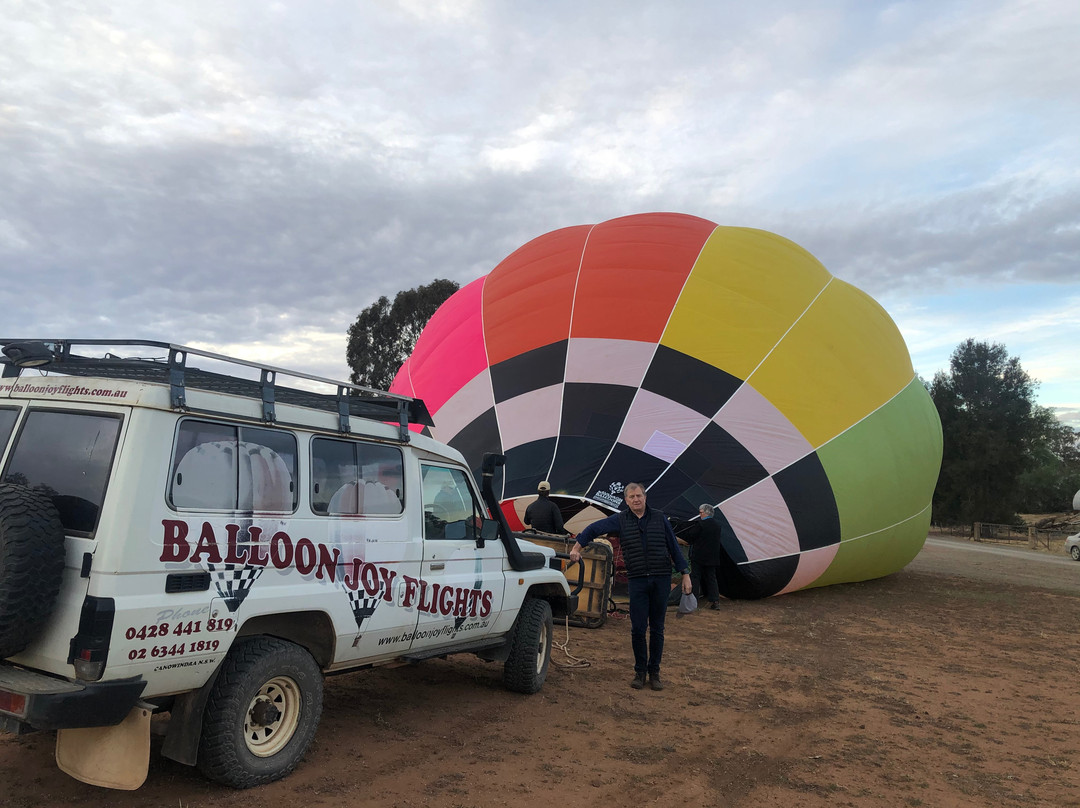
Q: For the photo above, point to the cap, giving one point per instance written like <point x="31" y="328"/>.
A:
<point x="544" y="486"/>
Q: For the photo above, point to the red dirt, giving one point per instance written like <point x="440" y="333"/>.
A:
<point x="922" y="688"/>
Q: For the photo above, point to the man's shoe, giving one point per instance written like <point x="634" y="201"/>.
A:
<point x="714" y="605"/>
<point x="638" y="681"/>
<point x="654" y="681"/>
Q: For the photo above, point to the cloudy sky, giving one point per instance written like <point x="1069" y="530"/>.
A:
<point x="248" y="176"/>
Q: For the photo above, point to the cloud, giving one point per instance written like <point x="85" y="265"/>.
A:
<point x="254" y="175"/>
<point x="1012" y="230"/>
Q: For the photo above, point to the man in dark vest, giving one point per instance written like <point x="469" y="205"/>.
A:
<point x="543" y="514"/>
<point x="649" y="551"/>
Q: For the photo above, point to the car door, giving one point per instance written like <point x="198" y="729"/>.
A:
<point x="461" y="584"/>
<point x="357" y="493"/>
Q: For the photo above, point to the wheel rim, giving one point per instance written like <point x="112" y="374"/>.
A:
<point x="541" y="649"/>
<point x="1076" y="553"/>
<point x="272" y="716"/>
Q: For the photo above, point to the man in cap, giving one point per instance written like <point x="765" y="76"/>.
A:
<point x="543" y="514"/>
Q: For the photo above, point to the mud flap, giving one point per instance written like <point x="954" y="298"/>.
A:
<point x="111" y="757"/>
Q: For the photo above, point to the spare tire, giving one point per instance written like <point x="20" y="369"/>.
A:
<point x="31" y="565"/>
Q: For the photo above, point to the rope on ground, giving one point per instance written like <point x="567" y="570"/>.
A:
<point x="574" y="662"/>
<point x="615" y="612"/>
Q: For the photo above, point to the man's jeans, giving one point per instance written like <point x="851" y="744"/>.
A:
<point x="648" y="607"/>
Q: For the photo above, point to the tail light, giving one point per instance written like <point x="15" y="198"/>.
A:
<point x="13" y="703"/>
<point x="90" y="646"/>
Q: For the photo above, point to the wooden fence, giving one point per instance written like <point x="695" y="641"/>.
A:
<point x="1035" y="537"/>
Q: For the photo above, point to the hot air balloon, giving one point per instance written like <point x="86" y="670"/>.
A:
<point x="719" y="365"/>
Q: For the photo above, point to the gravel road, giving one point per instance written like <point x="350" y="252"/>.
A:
<point x="978" y="561"/>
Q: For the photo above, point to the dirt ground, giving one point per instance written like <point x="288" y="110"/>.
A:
<point x="942" y="685"/>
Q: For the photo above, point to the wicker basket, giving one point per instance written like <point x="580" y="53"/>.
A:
<point x="595" y="594"/>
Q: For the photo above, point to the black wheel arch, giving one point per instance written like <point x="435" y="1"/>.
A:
<point x="312" y="631"/>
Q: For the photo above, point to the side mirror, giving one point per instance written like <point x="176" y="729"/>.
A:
<point x="489" y="531"/>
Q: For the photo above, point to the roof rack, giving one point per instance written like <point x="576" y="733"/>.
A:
<point x="348" y="400"/>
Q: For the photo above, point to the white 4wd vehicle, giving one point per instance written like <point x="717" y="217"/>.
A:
<point x="210" y="544"/>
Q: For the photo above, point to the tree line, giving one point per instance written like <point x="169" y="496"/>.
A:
<point x="385" y="333"/>
<point x="1002" y="453"/>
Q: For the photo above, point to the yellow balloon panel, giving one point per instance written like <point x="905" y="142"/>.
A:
<point x="843" y="359"/>
<point x="746" y="289"/>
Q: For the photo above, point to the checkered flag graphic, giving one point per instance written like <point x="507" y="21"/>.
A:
<point x="233" y="581"/>
<point x="363" y="605"/>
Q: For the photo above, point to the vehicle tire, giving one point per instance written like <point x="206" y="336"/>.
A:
<point x="31" y="565"/>
<point x="1074" y="551"/>
<point x="262" y="712"/>
<point x="530" y="648"/>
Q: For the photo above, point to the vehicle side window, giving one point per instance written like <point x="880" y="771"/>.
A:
<point x="7" y="424"/>
<point x="333" y="465"/>
<point x="450" y="509"/>
<point x="67" y="456"/>
<point x="271" y="456"/>
<point x="228" y="468"/>
<point x="353" y="478"/>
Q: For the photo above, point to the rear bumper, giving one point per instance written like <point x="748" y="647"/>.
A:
<point x="52" y="703"/>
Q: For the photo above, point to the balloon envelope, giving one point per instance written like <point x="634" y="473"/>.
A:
<point x="718" y="365"/>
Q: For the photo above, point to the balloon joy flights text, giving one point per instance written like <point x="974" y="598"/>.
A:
<point x="309" y="557"/>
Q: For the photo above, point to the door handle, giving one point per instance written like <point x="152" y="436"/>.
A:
<point x="438" y="565"/>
